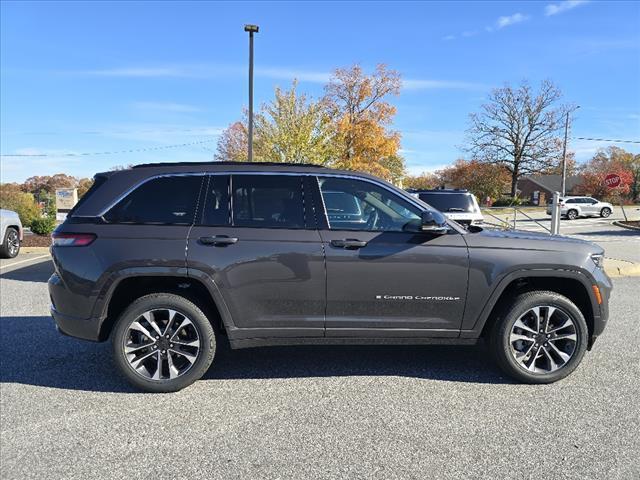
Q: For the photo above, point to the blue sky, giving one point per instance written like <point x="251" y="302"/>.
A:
<point x="97" y="77"/>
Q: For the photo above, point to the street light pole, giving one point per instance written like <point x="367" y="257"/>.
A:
<point x="251" y="29"/>
<point x="564" y="153"/>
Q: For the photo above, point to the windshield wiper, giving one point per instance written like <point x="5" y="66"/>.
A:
<point x="454" y="209"/>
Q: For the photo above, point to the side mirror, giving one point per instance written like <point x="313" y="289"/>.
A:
<point x="430" y="224"/>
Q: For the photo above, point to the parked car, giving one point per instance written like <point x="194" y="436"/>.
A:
<point x="10" y="234"/>
<point x="168" y="260"/>
<point x="457" y="204"/>
<point x="574" y="207"/>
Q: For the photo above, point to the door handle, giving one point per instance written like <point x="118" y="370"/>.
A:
<point x="218" y="240"/>
<point x="349" y="243"/>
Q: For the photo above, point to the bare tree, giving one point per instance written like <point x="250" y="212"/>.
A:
<point x="519" y="130"/>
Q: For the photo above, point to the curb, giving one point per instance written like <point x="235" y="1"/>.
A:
<point x="628" y="227"/>
<point x="41" y="250"/>
<point x="621" y="268"/>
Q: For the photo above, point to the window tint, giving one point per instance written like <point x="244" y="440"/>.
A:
<point x="216" y="207"/>
<point x="360" y="205"/>
<point x="572" y="200"/>
<point x="449" y="202"/>
<point x="164" y="200"/>
<point x="268" y="201"/>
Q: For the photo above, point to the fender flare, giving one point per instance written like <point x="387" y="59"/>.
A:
<point x="114" y="278"/>
<point x="580" y="275"/>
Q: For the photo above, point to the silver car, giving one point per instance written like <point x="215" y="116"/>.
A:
<point x="10" y="233"/>
<point x="574" y="207"/>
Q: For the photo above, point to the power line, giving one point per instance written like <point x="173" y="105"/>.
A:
<point x="132" y="150"/>
<point x="606" y="140"/>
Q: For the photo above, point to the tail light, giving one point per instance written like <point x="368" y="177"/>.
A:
<point x="72" y="239"/>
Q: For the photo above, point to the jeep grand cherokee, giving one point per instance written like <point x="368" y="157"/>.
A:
<point x="167" y="260"/>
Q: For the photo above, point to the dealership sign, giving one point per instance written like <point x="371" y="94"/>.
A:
<point x="612" y="180"/>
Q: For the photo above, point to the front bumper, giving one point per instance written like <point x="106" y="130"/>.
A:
<point x="601" y="315"/>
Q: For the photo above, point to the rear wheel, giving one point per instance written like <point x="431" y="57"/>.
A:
<point x="605" y="212"/>
<point x="10" y="244"/>
<point x="540" y="338"/>
<point x="572" y="214"/>
<point x="163" y="343"/>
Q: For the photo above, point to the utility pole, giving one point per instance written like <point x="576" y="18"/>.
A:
<point x="564" y="153"/>
<point x="251" y="29"/>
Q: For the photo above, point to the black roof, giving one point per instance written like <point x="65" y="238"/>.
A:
<point x="255" y="164"/>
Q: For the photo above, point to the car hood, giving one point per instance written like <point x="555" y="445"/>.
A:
<point x="524" y="240"/>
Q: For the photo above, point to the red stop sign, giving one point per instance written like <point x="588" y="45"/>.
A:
<point x="612" y="180"/>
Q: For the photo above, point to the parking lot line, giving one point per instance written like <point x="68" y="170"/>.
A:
<point x="23" y="261"/>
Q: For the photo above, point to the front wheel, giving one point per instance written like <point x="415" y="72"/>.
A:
<point x="163" y="343"/>
<point x="540" y="338"/>
<point x="605" y="212"/>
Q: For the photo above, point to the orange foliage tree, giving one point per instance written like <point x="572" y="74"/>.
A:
<point x="357" y="104"/>
<point x="604" y="162"/>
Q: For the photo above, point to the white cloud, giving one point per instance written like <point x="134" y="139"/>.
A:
<point x="449" y="37"/>
<point x="511" y="20"/>
<point x="560" y="7"/>
<point x="166" y="107"/>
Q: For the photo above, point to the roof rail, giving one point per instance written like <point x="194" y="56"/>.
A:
<point x="179" y="164"/>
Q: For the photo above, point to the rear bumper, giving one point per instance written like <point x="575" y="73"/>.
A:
<point x="84" y="328"/>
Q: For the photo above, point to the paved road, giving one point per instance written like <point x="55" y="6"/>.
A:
<point x="311" y="412"/>
<point x="619" y="243"/>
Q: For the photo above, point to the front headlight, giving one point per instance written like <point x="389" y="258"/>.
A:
<point x="598" y="259"/>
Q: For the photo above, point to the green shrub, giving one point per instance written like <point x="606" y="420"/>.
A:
<point x="43" y="226"/>
<point x="11" y="198"/>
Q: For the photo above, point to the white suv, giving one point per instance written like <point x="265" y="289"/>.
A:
<point x="10" y="234"/>
<point x="574" y="207"/>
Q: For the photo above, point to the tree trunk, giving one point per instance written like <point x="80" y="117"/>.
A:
<point x="514" y="183"/>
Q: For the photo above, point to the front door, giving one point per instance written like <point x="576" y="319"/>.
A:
<point x="384" y="276"/>
<point x="261" y="248"/>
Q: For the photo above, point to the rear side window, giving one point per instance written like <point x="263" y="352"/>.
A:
<point x="165" y="200"/>
<point x="449" y="202"/>
<point x="268" y="201"/>
<point x="98" y="181"/>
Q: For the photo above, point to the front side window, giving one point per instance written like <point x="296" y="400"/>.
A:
<point x="268" y="201"/>
<point x="361" y="205"/>
<point x="216" y="201"/>
<point x="166" y="201"/>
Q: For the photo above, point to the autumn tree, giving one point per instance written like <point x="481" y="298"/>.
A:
<point x="13" y="197"/>
<point x="233" y="144"/>
<point x="48" y="183"/>
<point x="292" y="128"/>
<point x="84" y="184"/>
<point x="362" y="117"/>
<point x="424" y="181"/>
<point x="518" y="129"/>
<point x="482" y="179"/>
<point x="606" y="161"/>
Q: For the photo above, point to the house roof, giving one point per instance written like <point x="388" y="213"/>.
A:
<point x="552" y="183"/>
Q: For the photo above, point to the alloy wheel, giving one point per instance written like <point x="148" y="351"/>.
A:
<point x="605" y="212"/>
<point x="13" y="242"/>
<point x="543" y="339"/>
<point x="161" y="344"/>
<point x="572" y="215"/>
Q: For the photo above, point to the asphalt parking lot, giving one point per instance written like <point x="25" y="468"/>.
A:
<point x="311" y="412"/>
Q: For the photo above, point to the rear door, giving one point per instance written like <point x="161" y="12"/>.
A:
<point x="257" y="241"/>
<point x="384" y="276"/>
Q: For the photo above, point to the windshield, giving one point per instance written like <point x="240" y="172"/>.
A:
<point x="449" y="202"/>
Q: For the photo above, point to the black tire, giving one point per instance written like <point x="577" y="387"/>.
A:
<point x="9" y="249"/>
<point x="572" y="214"/>
<point x="499" y="341"/>
<point x="605" y="212"/>
<point x="159" y="301"/>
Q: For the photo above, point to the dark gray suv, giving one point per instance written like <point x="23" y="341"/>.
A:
<point x="169" y="259"/>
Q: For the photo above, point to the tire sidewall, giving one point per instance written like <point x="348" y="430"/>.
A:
<point x="183" y="306"/>
<point x="502" y="347"/>
<point x="605" y="212"/>
<point x="6" y="251"/>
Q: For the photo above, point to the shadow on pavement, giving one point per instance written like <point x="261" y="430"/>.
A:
<point x="618" y="232"/>
<point x="34" y="353"/>
<point x="33" y="272"/>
